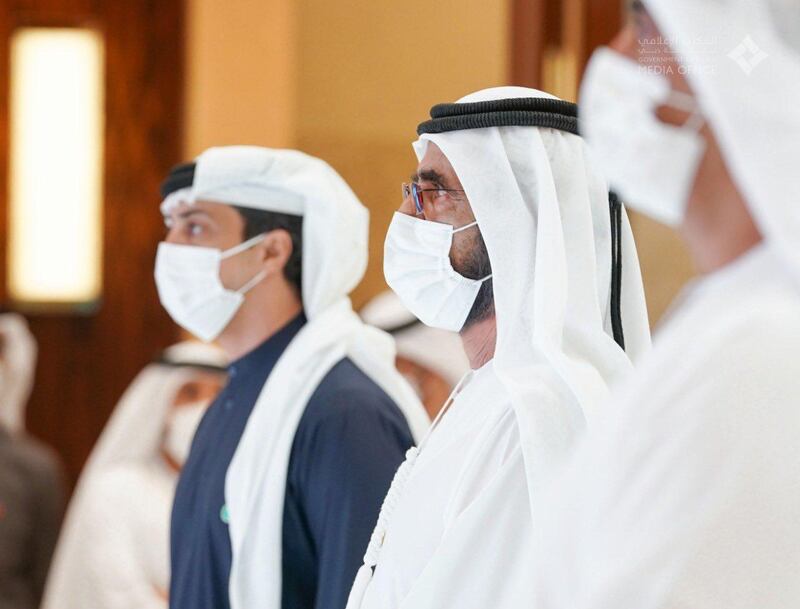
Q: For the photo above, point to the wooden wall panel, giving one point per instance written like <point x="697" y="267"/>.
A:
<point x="573" y="27"/>
<point x="604" y="18"/>
<point x="535" y="28"/>
<point x="528" y="41"/>
<point x="86" y="361"/>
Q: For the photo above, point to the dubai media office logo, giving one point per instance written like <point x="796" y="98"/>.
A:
<point x="748" y="55"/>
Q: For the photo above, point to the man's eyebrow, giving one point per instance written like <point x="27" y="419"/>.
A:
<point x="185" y="214"/>
<point x="192" y="212"/>
<point x="431" y="175"/>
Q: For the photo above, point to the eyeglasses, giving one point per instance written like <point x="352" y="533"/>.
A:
<point x="414" y="191"/>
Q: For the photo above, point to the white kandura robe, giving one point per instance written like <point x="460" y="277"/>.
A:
<point x="461" y="530"/>
<point x="688" y="495"/>
<point x="126" y="534"/>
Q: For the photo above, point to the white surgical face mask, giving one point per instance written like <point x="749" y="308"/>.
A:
<point x="181" y="429"/>
<point x="417" y="267"/>
<point x="190" y="289"/>
<point x="650" y="164"/>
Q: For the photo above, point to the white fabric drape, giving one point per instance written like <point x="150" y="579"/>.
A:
<point x="688" y="496"/>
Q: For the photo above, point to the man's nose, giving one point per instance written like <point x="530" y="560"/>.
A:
<point x="176" y="236"/>
<point x="409" y="208"/>
<point x="626" y="42"/>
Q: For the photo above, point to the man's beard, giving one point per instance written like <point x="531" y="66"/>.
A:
<point x="475" y="264"/>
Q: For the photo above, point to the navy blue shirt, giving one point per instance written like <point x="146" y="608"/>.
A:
<point x="348" y="444"/>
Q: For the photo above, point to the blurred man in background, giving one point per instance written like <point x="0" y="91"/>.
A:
<point x="430" y="359"/>
<point x="113" y="552"/>
<point x="689" y="495"/>
<point x="31" y="478"/>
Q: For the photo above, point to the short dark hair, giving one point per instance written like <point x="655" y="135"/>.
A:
<point x="259" y="221"/>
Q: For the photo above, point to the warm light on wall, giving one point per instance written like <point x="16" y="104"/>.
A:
<point x="56" y="166"/>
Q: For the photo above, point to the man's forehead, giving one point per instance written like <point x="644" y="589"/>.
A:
<point x="433" y="164"/>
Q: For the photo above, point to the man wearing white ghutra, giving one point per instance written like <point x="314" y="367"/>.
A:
<point x="507" y="235"/>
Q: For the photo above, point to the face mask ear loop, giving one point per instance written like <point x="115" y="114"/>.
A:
<point x="687" y="103"/>
<point x="695" y="122"/>
<point x="252" y="283"/>
<point x="458" y="230"/>
<point x="238" y="249"/>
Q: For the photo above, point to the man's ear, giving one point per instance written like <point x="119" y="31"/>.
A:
<point x="276" y="249"/>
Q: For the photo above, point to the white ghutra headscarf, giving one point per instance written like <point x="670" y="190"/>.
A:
<point x="543" y="211"/>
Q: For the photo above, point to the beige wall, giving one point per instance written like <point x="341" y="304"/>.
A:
<point x="665" y="262"/>
<point x="241" y="73"/>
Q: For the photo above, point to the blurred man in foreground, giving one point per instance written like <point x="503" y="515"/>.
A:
<point x="688" y="495"/>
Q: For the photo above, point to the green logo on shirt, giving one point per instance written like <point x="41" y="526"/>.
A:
<point x="223" y="514"/>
